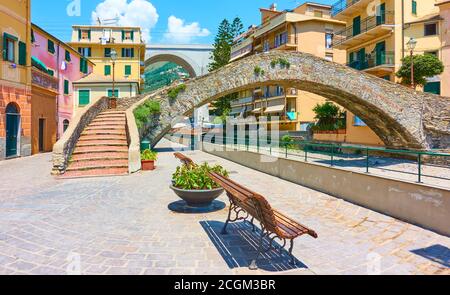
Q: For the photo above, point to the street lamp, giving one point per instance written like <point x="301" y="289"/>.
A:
<point x="411" y="46"/>
<point x="113" y="99"/>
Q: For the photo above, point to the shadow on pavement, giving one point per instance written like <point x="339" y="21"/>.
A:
<point x="239" y="247"/>
<point x="437" y="253"/>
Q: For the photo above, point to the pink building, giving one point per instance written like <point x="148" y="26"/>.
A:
<point x="64" y="65"/>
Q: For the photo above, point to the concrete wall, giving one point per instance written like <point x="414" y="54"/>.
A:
<point x="422" y="205"/>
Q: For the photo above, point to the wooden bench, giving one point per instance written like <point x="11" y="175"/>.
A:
<point x="274" y="225"/>
<point x="184" y="159"/>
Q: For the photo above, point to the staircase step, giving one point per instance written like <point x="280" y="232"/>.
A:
<point x="99" y="156"/>
<point x="89" y="128"/>
<point x="96" y="149"/>
<point x="113" y="112"/>
<point x="102" y="137"/>
<point x="111" y="116"/>
<point x="97" y="124"/>
<point x="97" y="164"/>
<point x="82" y="143"/>
<point x="95" y="173"/>
<point x="113" y="121"/>
<point x="104" y="132"/>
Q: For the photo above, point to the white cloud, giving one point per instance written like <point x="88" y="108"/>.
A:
<point x="139" y="13"/>
<point x="180" y="32"/>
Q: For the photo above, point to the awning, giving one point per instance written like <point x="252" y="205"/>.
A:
<point x="35" y="62"/>
<point x="257" y="111"/>
<point x="275" y="109"/>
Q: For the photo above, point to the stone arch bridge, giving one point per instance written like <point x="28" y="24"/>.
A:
<point x="401" y="117"/>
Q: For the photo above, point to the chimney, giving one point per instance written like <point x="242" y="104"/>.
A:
<point x="273" y="7"/>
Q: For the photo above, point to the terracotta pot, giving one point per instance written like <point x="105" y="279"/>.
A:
<point x="148" y="165"/>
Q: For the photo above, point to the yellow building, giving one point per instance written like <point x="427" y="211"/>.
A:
<point x="97" y="43"/>
<point x="375" y="39"/>
<point x="307" y="28"/>
<point x="15" y="79"/>
<point x="444" y="12"/>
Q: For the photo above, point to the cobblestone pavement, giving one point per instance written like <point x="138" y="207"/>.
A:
<point x="122" y="225"/>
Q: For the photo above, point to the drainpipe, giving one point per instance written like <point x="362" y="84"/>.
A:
<point x="403" y="29"/>
<point x="58" y="69"/>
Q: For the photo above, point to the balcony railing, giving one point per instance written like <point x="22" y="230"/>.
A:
<point x="342" y="5"/>
<point x="374" y="60"/>
<point x="366" y="25"/>
<point x="242" y="101"/>
<point x="44" y="80"/>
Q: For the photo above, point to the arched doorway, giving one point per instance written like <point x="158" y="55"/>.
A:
<point x="12" y="130"/>
<point x="65" y="125"/>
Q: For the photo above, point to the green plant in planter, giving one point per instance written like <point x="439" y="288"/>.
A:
<point x="259" y="71"/>
<point x="148" y="155"/>
<point x="196" y="177"/>
<point x="284" y="63"/>
<point x="173" y="93"/>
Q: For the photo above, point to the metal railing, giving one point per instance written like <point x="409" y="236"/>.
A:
<point x="374" y="60"/>
<point x="367" y="24"/>
<point x="342" y="5"/>
<point x="44" y="80"/>
<point x="420" y="166"/>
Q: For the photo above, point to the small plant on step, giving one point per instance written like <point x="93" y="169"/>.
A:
<point x="284" y="63"/>
<point x="259" y="71"/>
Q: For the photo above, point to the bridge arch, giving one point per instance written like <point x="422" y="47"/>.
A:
<point x="400" y="116"/>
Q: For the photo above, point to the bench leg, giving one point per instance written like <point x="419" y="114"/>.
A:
<point x="254" y="263"/>
<point x="293" y="260"/>
<point x="224" y="230"/>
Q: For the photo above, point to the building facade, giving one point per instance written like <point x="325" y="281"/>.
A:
<point x="308" y="28"/>
<point x="97" y="43"/>
<point x="15" y="79"/>
<point x="55" y="67"/>
<point x="444" y="13"/>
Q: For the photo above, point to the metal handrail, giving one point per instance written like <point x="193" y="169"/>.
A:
<point x="372" y="60"/>
<point x="342" y="5"/>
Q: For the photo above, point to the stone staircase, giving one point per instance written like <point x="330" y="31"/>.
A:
<point x="102" y="149"/>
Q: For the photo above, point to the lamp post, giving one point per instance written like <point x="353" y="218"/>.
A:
<point x="113" y="98"/>
<point x="411" y="46"/>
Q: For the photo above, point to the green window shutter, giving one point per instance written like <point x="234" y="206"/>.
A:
<point x="84" y="97"/>
<point x="79" y="34"/>
<point x="51" y="46"/>
<point x="123" y="35"/>
<point x="357" y="26"/>
<point x="132" y="52"/>
<point x="123" y="52"/>
<point x="127" y="70"/>
<point x="86" y="68"/>
<point x="107" y="70"/>
<point x="414" y="7"/>
<point x="132" y="35"/>
<point x="68" y="59"/>
<point x="89" y="52"/>
<point x="433" y="87"/>
<point x="51" y="72"/>
<point x="66" y="87"/>
<point x="89" y="34"/>
<point x="22" y="54"/>
<point x="107" y="52"/>
<point x="116" y="93"/>
<point x="5" y="45"/>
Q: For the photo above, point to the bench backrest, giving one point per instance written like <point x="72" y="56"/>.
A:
<point x="185" y="160"/>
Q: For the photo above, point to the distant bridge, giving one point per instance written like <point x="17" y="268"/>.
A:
<point x="193" y="58"/>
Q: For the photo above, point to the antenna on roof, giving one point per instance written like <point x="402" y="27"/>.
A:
<point x="111" y="21"/>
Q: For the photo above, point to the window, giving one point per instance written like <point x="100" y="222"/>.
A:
<point x="414" y="7"/>
<point x="266" y="46"/>
<point x="66" y="87"/>
<point x="84" y="66"/>
<point x="51" y="46"/>
<point x="84" y="97"/>
<point x="85" y="51"/>
<point x="281" y="39"/>
<point x="68" y="58"/>
<point x="433" y="87"/>
<point x="328" y="40"/>
<point x="431" y="29"/>
<point x="127" y="70"/>
<point x="357" y="26"/>
<point x="435" y="53"/>
<point x="107" y="70"/>
<point x="127" y="52"/>
<point x="84" y="34"/>
<point x="358" y="122"/>
<point x="127" y="35"/>
<point x="65" y="125"/>
<point x="116" y="93"/>
<point x="107" y="52"/>
<point x="9" y="47"/>
<point x="318" y="13"/>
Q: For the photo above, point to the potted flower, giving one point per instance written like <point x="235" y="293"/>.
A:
<point x="195" y="187"/>
<point x="148" y="159"/>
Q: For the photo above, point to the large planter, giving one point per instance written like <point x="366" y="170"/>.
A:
<point x="198" y="198"/>
<point x="148" y="165"/>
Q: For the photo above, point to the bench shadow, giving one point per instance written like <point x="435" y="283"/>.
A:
<point x="184" y="208"/>
<point x="240" y="245"/>
<point x="436" y="253"/>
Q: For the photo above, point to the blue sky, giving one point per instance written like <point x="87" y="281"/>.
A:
<point x="51" y="15"/>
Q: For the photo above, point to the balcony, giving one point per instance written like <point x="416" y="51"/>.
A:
<point x="378" y="64"/>
<point x="44" y="80"/>
<point x="344" y="8"/>
<point x="369" y="29"/>
<point x="242" y="101"/>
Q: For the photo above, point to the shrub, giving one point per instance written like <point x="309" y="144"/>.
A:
<point x="196" y="177"/>
<point x="173" y="93"/>
<point x="148" y="155"/>
<point x="284" y="63"/>
<point x="330" y="117"/>
<point x="259" y="71"/>
<point x="425" y="66"/>
<point x="143" y="112"/>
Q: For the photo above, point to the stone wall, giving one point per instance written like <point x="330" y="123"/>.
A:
<point x="401" y="117"/>
<point x="62" y="150"/>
